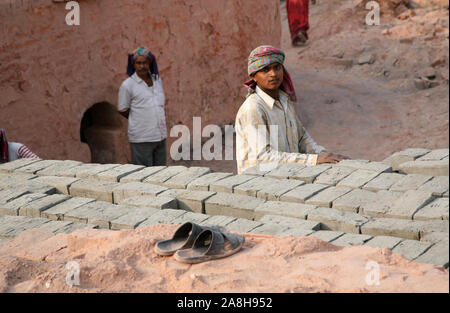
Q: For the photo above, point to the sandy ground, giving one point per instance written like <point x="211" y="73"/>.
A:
<point x="124" y="261"/>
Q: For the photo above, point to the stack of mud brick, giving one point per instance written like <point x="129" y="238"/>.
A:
<point x="400" y="203"/>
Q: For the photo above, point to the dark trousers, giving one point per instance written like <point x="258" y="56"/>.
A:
<point x="149" y="153"/>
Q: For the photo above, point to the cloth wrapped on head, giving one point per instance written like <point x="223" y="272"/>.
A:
<point x="263" y="56"/>
<point x="142" y="51"/>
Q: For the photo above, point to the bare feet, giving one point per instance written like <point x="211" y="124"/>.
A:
<point x="300" y="40"/>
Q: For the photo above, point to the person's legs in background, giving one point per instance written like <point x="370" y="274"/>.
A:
<point x="298" y="17"/>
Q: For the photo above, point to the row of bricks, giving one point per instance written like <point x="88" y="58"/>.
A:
<point x="377" y="204"/>
<point x="56" y="205"/>
<point x="232" y="205"/>
<point x="353" y="174"/>
<point x="421" y="251"/>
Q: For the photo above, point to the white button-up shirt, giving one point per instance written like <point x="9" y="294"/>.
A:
<point x="147" y="119"/>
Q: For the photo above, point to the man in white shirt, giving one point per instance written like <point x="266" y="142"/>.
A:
<point x="141" y="101"/>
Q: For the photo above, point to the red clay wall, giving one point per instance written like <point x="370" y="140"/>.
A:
<point x="51" y="73"/>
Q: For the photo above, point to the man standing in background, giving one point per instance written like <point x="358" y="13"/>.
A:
<point x="141" y="101"/>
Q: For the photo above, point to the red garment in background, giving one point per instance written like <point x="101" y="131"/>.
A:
<point x="297" y="11"/>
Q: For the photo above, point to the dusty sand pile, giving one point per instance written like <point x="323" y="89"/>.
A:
<point x="124" y="261"/>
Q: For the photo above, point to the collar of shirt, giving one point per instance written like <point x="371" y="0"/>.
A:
<point x="271" y="101"/>
<point x="139" y="80"/>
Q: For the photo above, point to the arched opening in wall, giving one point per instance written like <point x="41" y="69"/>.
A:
<point x="101" y="129"/>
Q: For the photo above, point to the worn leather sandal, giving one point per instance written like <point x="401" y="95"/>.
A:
<point x="210" y="245"/>
<point x="183" y="238"/>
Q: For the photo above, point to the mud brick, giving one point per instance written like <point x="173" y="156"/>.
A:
<point x="74" y="226"/>
<point x="183" y="179"/>
<point x="139" y="176"/>
<point x="260" y="169"/>
<point x="8" y="195"/>
<point x="190" y="217"/>
<point x="437" y="255"/>
<point x="57" y="212"/>
<point x="132" y="219"/>
<point x="383" y="182"/>
<point x="351" y="240"/>
<point x="189" y="200"/>
<point x="302" y="193"/>
<point x="437" y="154"/>
<point x="296" y="232"/>
<point x="88" y="170"/>
<point x="218" y="220"/>
<point x="288" y="209"/>
<point x="384" y="242"/>
<point x="31" y="223"/>
<point x="355" y="199"/>
<point x="228" y="184"/>
<point x="363" y="165"/>
<point x="327" y="235"/>
<point x="159" y="202"/>
<point x="14" y="165"/>
<point x="358" y="179"/>
<point x="291" y="222"/>
<point x="431" y="168"/>
<point x="9" y="223"/>
<point x="251" y="187"/>
<point x="405" y="156"/>
<point x="284" y="171"/>
<point x="34" y="208"/>
<point x="203" y="183"/>
<point x="116" y="173"/>
<point x="334" y="175"/>
<point x="232" y="205"/>
<point x="162" y="217"/>
<point x="269" y="229"/>
<point x="378" y="204"/>
<point x="436" y="210"/>
<point x="92" y="188"/>
<point x="409" y="203"/>
<point x="37" y="166"/>
<point x="326" y="197"/>
<point x="13" y="207"/>
<point x="438" y="186"/>
<point x="436" y="237"/>
<point x="309" y="173"/>
<point x="30" y="186"/>
<point x="410" y="182"/>
<point x="55" y="226"/>
<point x="273" y="191"/>
<point x="98" y="213"/>
<point x="12" y="179"/>
<point x="411" y="249"/>
<point x="59" y="168"/>
<point x="337" y="220"/>
<point x="62" y="184"/>
<point x="134" y="189"/>
<point x="242" y="225"/>
<point x="407" y="229"/>
<point x="162" y="176"/>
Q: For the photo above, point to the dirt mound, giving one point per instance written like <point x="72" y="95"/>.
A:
<point x="124" y="261"/>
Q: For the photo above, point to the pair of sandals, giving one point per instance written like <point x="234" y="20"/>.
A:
<point x="192" y="243"/>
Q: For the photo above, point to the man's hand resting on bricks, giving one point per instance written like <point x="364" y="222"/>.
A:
<point x="330" y="158"/>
